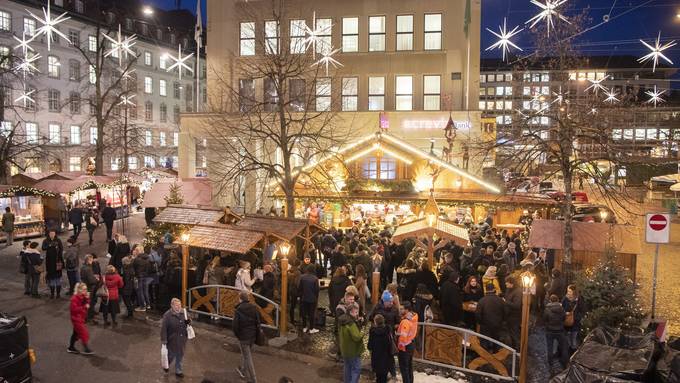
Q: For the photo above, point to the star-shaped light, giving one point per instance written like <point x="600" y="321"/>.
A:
<point x="559" y="97"/>
<point x="23" y="43"/>
<point x="313" y="36"/>
<point x="126" y="74"/>
<point x="611" y="96"/>
<point x="504" y="37"/>
<point x="179" y="62"/>
<point x="121" y="46"/>
<point x="593" y="111"/>
<point x="127" y="100"/>
<point x="655" y="96"/>
<point x="49" y="25"/>
<point x="548" y="11"/>
<point x="26" y="64"/>
<point x="656" y="51"/>
<point x="25" y="97"/>
<point x="596" y="85"/>
<point x="328" y="59"/>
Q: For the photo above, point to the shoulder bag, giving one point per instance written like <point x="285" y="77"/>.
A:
<point x="569" y="317"/>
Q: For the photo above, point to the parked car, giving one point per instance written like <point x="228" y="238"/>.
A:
<point x="586" y="212"/>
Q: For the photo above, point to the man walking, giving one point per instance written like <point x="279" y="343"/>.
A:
<point x="246" y="324"/>
<point x="309" y="296"/>
<point x="351" y="341"/>
<point x="75" y="217"/>
<point x="513" y="302"/>
<point x="490" y="314"/>
<point x="8" y="225"/>
<point x="108" y="216"/>
<point x="174" y="335"/>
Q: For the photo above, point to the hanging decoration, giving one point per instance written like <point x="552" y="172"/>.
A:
<point x="126" y="100"/>
<point x="596" y="85"/>
<point x="26" y="64"/>
<point x="656" y="52"/>
<point x="23" y="43"/>
<point x="504" y="37"/>
<point x="313" y="36"/>
<point x="25" y="191"/>
<point x="611" y="96"/>
<point x="655" y="96"/>
<point x="327" y="59"/>
<point x="180" y="62"/>
<point x="548" y="12"/>
<point x="121" y="46"/>
<point x="25" y="97"/>
<point x="559" y="97"/>
<point x="49" y="25"/>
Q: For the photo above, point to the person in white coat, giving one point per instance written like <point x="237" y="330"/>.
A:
<point x="243" y="279"/>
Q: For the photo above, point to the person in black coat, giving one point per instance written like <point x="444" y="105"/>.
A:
<point x="246" y="325"/>
<point x="387" y="309"/>
<point x="268" y="285"/>
<point x="490" y="314"/>
<point x="426" y="276"/>
<point x="174" y="334"/>
<point x="108" y="216"/>
<point x="380" y="344"/>
<point x="338" y="259"/>
<point x="513" y="303"/>
<point x="54" y="262"/>
<point x="308" y="291"/>
<point x="558" y="286"/>
<point x="75" y="218"/>
<point x="451" y="300"/>
<point x="337" y="286"/>
<point x="553" y="317"/>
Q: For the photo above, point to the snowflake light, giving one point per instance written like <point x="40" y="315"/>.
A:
<point x="504" y="37"/>
<point x="548" y="11"/>
<point x="180" y="62"/>
<point x="593" y="111"/>
<point x="596" y="85"/>
<point x="23" y="43"/>
<point x="127" y="100"/>
<point x="25" y="97"/>
<point x="328" y="59"/>
<point x="611" y="96"/>
<point x="559" y="96"/>
<point x="126" y="74"/>
<point x="26" y="64"/>
<point x="120" y="46"/>
<point x="656" y="52"/>
<point x="655" y="96"/>
<point x="49" y="25"/>
<point x="314" y="36"/>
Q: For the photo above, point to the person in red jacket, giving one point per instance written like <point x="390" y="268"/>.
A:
<point x="80" y="302"/>
<point x="110" y="305"/>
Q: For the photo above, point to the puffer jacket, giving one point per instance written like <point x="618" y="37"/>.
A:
<point x="553" y="316"/>
<point x="246" y="322"/>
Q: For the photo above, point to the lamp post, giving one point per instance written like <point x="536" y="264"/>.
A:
<point x="185" y="266"/>
<point x="527" y="287"/>
<point x="284" y="248"/>
<point x="603" y="215"/>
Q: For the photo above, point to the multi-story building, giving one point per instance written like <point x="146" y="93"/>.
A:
<point x="406" y="65"/>
<point x="62" y="115"/>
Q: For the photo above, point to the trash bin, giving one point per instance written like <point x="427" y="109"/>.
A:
<point x="15" y="363"/>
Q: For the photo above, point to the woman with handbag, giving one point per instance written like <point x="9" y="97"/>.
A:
<point x="574" y="309"/>
<point x="109" y="304"/>
<point x="54" y="262"/>
<point x="382" y="347"/>
<point x="174" y="335"/>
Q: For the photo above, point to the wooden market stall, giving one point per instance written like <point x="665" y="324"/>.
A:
<point x="27" y="204"/>
<point x="194" y="192"/>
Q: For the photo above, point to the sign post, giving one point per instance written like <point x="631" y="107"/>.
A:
<point x="657" y="230"/>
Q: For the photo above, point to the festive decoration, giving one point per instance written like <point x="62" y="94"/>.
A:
<point x="25" y="191"/>
<point x="593" y="111"/>
<point x="121" y="46"/>
<point x="327" y="59"/>
<point x="23" y="43"/>
<point x="313" y="36"/>
<point x="180" y="62"/>
<point x="127" y="100"/>
<point x="559" y="97"/>
<point x="548" y="11"/>
<point x="25" y="97"/>
<point x="596" y="85"/>
<point x="26" y="64"/>
<point x="174" y="196"/>
<point x="656" y="52"/>
<point x="504" y="37"/>
<point x="655" y="96"/>
<point x="611" y="96"/>
<point x="49" y="25"/>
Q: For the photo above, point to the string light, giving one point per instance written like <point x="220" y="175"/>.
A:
<point x="596" y="85"/>
<point x="611" y="96"/>
<point x="656" y="52"/>
<point x="180" y="62"/>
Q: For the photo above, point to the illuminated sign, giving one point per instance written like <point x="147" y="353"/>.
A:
<point x="434" y="124"/>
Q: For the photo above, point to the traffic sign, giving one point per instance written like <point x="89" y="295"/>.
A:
<point x="657" y="228"/>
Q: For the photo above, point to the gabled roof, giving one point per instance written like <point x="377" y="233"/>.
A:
<point x="442" y="228"/>
<point x="284" y="228"/>
<point x="188" y="215"/>
<point x="217" y="236"/>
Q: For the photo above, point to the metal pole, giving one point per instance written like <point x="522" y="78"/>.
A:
<point x="198" y="75"/>
<point x="524" y="341"/>
<point x="185" y="273"/>
<point x="656" y="261"/>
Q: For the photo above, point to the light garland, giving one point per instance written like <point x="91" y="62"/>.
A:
<point x="16" y="191"/>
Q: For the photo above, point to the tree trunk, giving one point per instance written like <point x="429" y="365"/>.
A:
<point x="99" y="151"/>
<point x="4" y="173"/>
<point x="290" y="204"/>
<point x="568" y="238"/>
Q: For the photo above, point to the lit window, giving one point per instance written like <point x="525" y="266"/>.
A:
<point x="369" y="168"/>
<point x="31" y="132"/>
<point x="54" y="133"/>
<point x="482" y="78"/>
<point x="376" y="93"/>
<point x="247" y="38"/>
<point x="5" y="21"/>
<point x="376" y="33"/>
<point x="5" y="57"/>
<point x="175" y="139"/>
<point x="323" y="94"/>
<point x="162" y="87"/>
<point x="162" y="61"/>
<point x="5" y="128"/>
<point x="115" y="163"/>
<point x="92" y="74"/>
<point x="350" y="93"/>
<point x="508" y="77"/>
<point x="149" y="162"/>
<point x="148" y="61"/>
<point x="147" y="138"/>
<point x="92" y="43"/>
<point x="75" y="135"/>
<point x="388" y="168"/>
<point x="93" y="136"/>
<point x="297" y="36"/>
<point x="404" y="93"/>
<point x="80" y="8"/>
<point x="164" y="113"/>
<point x="148" y="85"/>
<point x="508" y="91"/>
<point x="74" y="70"/>
<point x="508" y="105"/>
<point x="74" y="164"/>
<point x="29" y="26"/>
<point x="53" y="65"/>
<point x="297" y="89"/>
<point x="431" y="92"/>
<point x="482" y="105"/>
<point x="350" y="34"/>
<point x="148" y="111"/>
<point x="500" y="90"/>
<point x="433" y="31"/>
<point x="246" y="94"/>
<point x="405" y="32"/>
<point x="161" y="138"/>
<point x="271" y="37"/>
<point x="132" y="163"/>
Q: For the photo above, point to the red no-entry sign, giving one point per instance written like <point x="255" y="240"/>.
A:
<point x="658" y="222"/>
<point x="657" y="228"/>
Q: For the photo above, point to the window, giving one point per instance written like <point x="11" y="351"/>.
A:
<point x="53" y="66"/>
<point x="176" y="90"/>
<point x="405" y="32"/>
<point x="162" y="61"/>
<point x="376" y="33"/>
<point x="74" y="70"/>
<point x="482" y="105"/>
<point x="350" y="34"/>
<point x="162" y="87"/>
<point x="148" y="85"/>
<point x="297" y="89"/>
<point x="271" y="97"/>
<point x="297" y="36"/>
<point x="5" y="21"/>
<point x="246" y="94"/>
<point x="29" y="26"/>
<point x="75" y="135"/>
<point x="271" y="37"/>
<point x="376" y="93"/>
<point x="175" y="113"/>
<point x="132" y="163"/>
<point x="5" y="128"/>
<point x="74" y="164"/>
<point x="148" y="138"/>
<point x="369" y="168"/>
<point x="404" y="93"/>
<point x="189" y="95"/>
<point x="325" y="28"/>
<point x="74" y="36"/>
<point x="54" y="133"/>
<point x="74" y="102"/>
<point x="350" y="93"/>
<point x="31" y="132"/>
<point x="431" y="92"/>
<point x="92" y="43"/>
<point x="159" y="34"/>
<point x="115" y="163"/>
<point x="5" y="57"/>
<point x="149" y="161"/>
<point x="92" y="74"/>
<point x="161" y="138"/>
<point x="388" y="168"/>
<point x="175" y="139"/>
<point x="147" y="59"/>
<point x="247" y="38"/>
<point x="79" y="6"/>
<point x="323" y="94"/>
<point x="93" y="136"/>
<point x="148" y="111"/>
<point x="433" y="31"/>
<point x="164" y="113"/>
<point x="53" y="97"/>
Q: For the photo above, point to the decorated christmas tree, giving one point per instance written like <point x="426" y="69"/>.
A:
<point x="610" y="295"/>
<point x="153" y="234"/>
<point x="175" y="196"/>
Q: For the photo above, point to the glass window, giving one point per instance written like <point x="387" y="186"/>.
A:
<point x="369" y="168"/>
<point x="405" y="32"/>
<point x="376" y="33"/>
<point x="74" y="70"/>
<point x="433" y="31"/>
<point x="132" y="163"/>
<point x="297" y="89"/>
<point x="324" y="43"/>
<point x="482" y="105"/>
<point x="297" y="36"/>
<point x="175" y="139"/>
<point x="53" y="100"/>
<point x="5" y="21"/>
<point x="508" y="77"/>
<point x="80" y="7"/>
<point x="640" y="134"/>
<point x="664" y="134"/>
<point x="271" y="37"/>
<point x="404" y="92"/>
<point x="53" y="65"/>
<point x="491" y="91"/>
<point x="5" y="128"/>
<point x="323" y="94"/>
<point x="376" y="93"/>
<point x="148" y="60"/>
<point x="148" y="111"/>
<point x="31" y="132"/>
<point x="148" y="85"/>
<point x="246" y="94"/>
<point x="508" y="91"/>
<point x="431" y="92"/>
<point x="482" y="91"/>
<point x="149" y="161"/>
<point x="92" y="74"/>
<point x="162" y="87"/>
<point x="388" y="168"/>
<point x="148" y="138"/>
<point x="350" y="34"/>
<point x="29" y="26"/>
<point x="176" y="90"/>
<point x="163" y="61"/>
<point x="74" y="164"/>
<point x="175" y="113"/>
<point x="93" y="135"/>
<point x="508" y="105"/>
<point x="271" y="97"/>
<point x="54" y="133"/>
<point x="5" y="57"/>
<point x="247" y="38"/>
<point x="350" y="93"/>
<point x="161" y="138"/>
<point x="115" y="163"/>
<point x="74" y="102"/>
<point x="163" y="113"/>
<point x="500" y="90"/>
<point x="482" y="78"/>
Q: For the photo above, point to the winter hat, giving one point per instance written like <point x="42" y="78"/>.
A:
<point x="386" y="296"/>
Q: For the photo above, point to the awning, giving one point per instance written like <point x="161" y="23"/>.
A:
<point x="223" y="238"/>
<point x="667" y="179"/>
<point x="441" y="228"/>
<point x="676" y="187"/>
<point x="587" y="236"/>
<point x="193" y="192"/>
<point x="188" y="215"/>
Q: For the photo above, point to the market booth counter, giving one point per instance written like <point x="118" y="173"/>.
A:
<point x="27" y="204"/>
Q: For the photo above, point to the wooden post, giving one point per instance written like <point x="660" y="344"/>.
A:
<point x="430" y="250"/>
<point x="375" y="287"/>
<point x="185" y="273"/>
<point x="524" y="338"/>
<point x="283" y="308"/>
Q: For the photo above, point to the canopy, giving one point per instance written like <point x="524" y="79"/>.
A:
<point x="587" y="236"/>
<point x="676" y="187"/>
<point x="194" y="192"/>
<point x="188" y="215"/>
<point x="667" y="179"/>
<point x="222" y="237"/>
<point x="442" y="228"/>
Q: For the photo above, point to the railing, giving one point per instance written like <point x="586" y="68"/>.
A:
<point x="220" y="301"/>
<point x="436" y="345"/>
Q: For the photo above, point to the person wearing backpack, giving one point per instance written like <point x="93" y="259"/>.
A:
<point x="72" y="263"/>
<point x="246" y="325"/>
<point x="91" y="223"/>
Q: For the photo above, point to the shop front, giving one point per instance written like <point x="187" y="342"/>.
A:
<point x="27" y="205"/>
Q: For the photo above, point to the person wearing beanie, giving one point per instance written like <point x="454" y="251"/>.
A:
<point x="490" y="314"/>
<point x="490" y="278"/>
<point x="387" y="309"/>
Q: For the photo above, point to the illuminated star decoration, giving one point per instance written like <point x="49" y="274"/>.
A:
<point x="328" y="59"/>
<point x="655" y="96"/>
<point x="126" y="74"/>
<point x="504" y="37"/>
<point x="23" y="43"/>
<point x="127" y="100"/>
<point x="121" y="46"/>
<point x="313" y="36"/>
<point x="656" y="52"/>
<point x="25" y="97"/>
<point x="49" y="25"/>
<point x="559" y="97"/>
<point x="596" y="85"/>
<point x="26" y="64"/>
<point x="611" y="96"/>
<point x="548" y="11"/>
<point x="593" y="111"/>
<point x="179" y="62"/>
<point x="538" y="99"/>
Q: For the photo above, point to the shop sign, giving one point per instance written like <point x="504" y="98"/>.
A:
<point x="433" y="124"/>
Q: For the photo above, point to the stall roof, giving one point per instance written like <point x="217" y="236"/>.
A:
<point x="442" y="229"/>
<point x="587" y="236"/>
<point x="189" y="215"/>
<point x="195" y="192"/>
<point x="222" y="237"/>
<point x="667" y="179"/>
<point x="284" y="228"/>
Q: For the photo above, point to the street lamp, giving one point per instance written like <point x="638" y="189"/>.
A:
<point x="285" y="248"/>
<point x="431" y="219"/>
<point x="185" y="266"/>
<point x="147" y="10"/>
<point x="604" y="214"/>
<point x="528" y="279"/>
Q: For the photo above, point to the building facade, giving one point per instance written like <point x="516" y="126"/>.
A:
<point x="62" y="114"/>
<point x="406" y="67"/>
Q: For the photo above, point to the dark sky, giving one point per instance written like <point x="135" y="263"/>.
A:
<point x="630" y="20"/>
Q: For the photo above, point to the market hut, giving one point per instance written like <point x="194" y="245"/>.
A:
<point x="282" y="229"/>
<point x="27" y="204"/>
<point x="194" y="192"/>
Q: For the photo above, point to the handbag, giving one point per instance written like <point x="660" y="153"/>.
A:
<point x="39" y="269"/>
<point x="93" y="222"/>
<point x="164" y="357"/>
<point x="393" y="345"/>
<point x="191" y="334"/>
<point x="103" y="291"/>
<point x="260" y="338"/>
<point x="569" y="317"/>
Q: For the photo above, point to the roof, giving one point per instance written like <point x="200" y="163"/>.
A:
<point x="189" y="215"/>
<point x="193" y="192"/>
<point x="223" y="238"/>
<point x="284" y="228"/>
<point x="587" y="236"/>
<point x="442" y="228"/>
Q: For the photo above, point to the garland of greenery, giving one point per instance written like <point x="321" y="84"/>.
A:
<point x="92" y="184"/>
<point x="25" y="191"/>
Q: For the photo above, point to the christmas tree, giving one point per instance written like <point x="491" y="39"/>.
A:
<point x="175" y="196"/>
<point x="610" y="295"/>
<point x="153" y="234"/>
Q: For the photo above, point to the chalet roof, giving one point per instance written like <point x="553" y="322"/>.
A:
<point x="194" y="192"/>
<point x="442" y="228"/>
<point x="189" y="215"/>
<point x="284" y="228"/>
<point x="587" y="236"/>
<point x="222" y="237"/>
